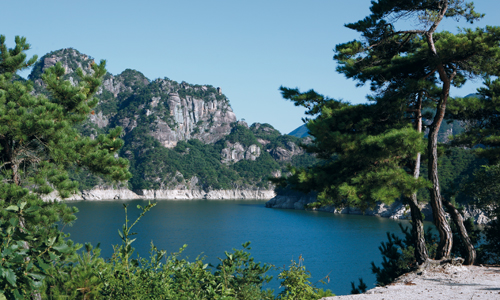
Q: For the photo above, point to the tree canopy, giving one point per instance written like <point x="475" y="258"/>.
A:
<point x="38" y="143"/>
<point x="410" y="71"/>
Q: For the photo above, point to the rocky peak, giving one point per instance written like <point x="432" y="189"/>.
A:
<point x="70" y="59"/>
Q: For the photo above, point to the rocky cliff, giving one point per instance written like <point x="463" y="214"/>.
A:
<point x="178" y="136"/>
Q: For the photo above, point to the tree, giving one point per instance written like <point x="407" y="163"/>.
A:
<point x="365" y="151"/>
<point x="423" y="62"/>
<point x="38" y="143"/>
<point x="482" y="133"/>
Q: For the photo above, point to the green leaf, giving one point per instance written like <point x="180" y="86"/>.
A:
<point x="32" y="208"/>
<point x="51" y="241"/>
<point x="62" y="248"/>
<point x="10" y="276"/>
<point x="22" y="205"/>
<point x="37" y="276"/>
<point x="14" y="221"/>
<point x="41" y="263"/>
<point x="12" y="208"/>
<point x="2" y="297"/>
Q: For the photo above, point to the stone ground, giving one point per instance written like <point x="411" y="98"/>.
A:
<point x="443" y="282"/>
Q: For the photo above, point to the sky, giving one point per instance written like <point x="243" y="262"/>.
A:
<point x="248" y="48"/>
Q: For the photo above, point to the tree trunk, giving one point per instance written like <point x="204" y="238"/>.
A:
<point x="417" y="230"/>
<point x="445" y="235"/>
<point x="438" y="214"/>
<point x="421" y="254"/>
<point x="459" y="222"/>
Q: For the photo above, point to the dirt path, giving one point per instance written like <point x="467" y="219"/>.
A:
<point x="444" y="282"/>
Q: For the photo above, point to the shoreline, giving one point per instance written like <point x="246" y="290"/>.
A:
<point x="396" y="210"/>
<point x="169" y="195"/>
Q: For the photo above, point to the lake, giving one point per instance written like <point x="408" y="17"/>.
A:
<point x="340" y="246"/>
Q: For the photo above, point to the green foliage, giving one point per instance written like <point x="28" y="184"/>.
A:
<point x="361" y="288"/>
<point x="481" y="116"/>
<point x="257" y="171"/>
<point x="242" y="135"/>
<point x="398" y="255"/>
<point x="485" y="193"/>
<point x="38" y="144"/>
<point x="297" y="285"/>
<point x="456" y="167"/>
<point x="162" y="276"/>
<point x="489" y="251"/>
<point x="364" y="150"/>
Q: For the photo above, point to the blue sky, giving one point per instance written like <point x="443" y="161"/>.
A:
<point x="248" y="48"/>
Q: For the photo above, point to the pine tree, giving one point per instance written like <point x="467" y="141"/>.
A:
<point x="424" y="62"/>
<point x="38" y="143"/>
<point x="365" y="151"/>
<point x="482" y="133"/>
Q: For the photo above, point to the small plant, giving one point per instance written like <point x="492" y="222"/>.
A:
<point x="361" y="288"/>
<point x="297" y="285"/>
<point x="398" y="255"/>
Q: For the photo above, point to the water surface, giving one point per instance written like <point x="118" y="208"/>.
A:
<point x="340" y="246"/>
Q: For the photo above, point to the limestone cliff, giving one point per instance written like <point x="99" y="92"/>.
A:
<point x="125" y="194"/>
<point x="178" y="136"/>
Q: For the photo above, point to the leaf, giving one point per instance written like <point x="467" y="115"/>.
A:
<point x="10" y="276"/>
<point x="41" y="263"/>
<point x="53" y="256"/>
<point x="12" y="208"/>
<point x="2" y="297"/>
<point x="32" y="208"/>
<point x="22" y="205"/>
<point x="14" y="221"/>
<point x="37" y="276"/>
<point x="51" y="241"/>
<point x="62" y="248"/>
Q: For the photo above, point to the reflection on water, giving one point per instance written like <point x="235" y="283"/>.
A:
<point x="341" y="246"/>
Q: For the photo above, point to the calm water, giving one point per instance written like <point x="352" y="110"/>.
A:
<point x="340" y="246"/>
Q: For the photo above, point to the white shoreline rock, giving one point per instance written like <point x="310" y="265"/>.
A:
<point x="125" y="194"/>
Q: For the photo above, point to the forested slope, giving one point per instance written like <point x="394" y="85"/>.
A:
<point x="177" y="135"/>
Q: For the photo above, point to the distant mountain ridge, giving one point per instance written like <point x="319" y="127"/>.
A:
<point x="177" y="135"/>
<point x="300" y="132"/>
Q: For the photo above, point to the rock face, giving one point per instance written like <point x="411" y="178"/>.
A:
<point x="177" y="136"/>
<point x="207" y="121"/>
<point x="125" y="194"/>
<point x="235" y="152"/>
<point x="180" y="111"/>
<point x="286" y="153"/>
<point x="395" y="211"/>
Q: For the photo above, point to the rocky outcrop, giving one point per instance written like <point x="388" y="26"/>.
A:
<point x="99" y="119"/>
<point x="233" y="153"/>
<point x="125" y="194"/>
<point x="208" y="121"/>
<point x="97" y="195"/>
<point x="211" y="195"/>
<point x="397" y="210"/>
<point x="287" y="152"/>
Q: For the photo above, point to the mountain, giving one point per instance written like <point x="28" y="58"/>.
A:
<point x="177" y="135"/>
<point x="300" y="132"/>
